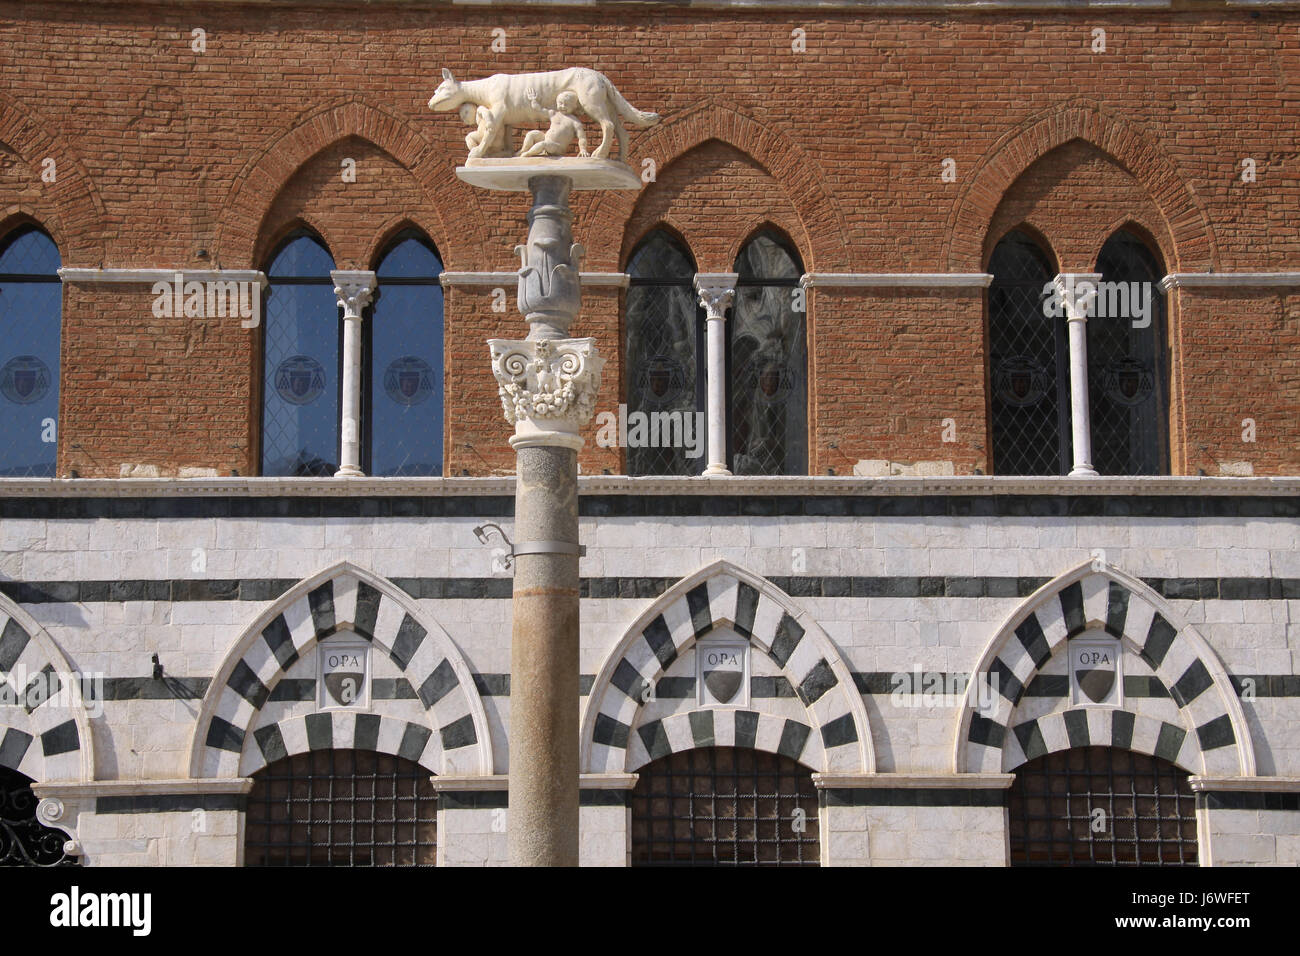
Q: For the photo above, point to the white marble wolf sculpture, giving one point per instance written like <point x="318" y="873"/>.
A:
<point x="507" y="102"/>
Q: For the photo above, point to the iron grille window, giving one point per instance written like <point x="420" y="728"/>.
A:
<point x="23" y="840"/>
<point x="1127" y="379"/>
<point x="404" y="337"/>
<point x="341" y="808"/>
<point x="31" y="309"/>
<point x="724" y="806"/>
<point x="1102" y="806"/>
<point x="767" y="363"/>
<point x="665" y="349"/>
<point x="301" y="349"/>
<point x="1029" y="375"/>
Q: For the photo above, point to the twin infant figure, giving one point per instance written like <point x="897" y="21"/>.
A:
<point x="566" y="126"/>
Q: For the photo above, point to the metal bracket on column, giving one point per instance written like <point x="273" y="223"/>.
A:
<point x="550" y="547"/>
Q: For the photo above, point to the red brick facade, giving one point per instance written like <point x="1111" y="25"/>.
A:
<point x="167" y="158"/>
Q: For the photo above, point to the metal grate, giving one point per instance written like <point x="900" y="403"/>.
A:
<point x="31" y="297"/>
<point x="767" y="363"/>
<point x="1126" y="365"/>
<point x="665" y="356"/>
<point x="724" y="806"/>
<point x="342" y="808"/>
<point x="23" y="840"/>
<point x="1102" y="806"/>
<point x="1029" y="384"/>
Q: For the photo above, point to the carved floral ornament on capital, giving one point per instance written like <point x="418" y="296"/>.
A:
<point x="554" y="380"/>
<point x="354" y="295"/>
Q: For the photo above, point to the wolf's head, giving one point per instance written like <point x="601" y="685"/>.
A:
<point x="448" y="95"/>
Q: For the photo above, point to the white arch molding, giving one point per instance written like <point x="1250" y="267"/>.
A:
<point x="1211" y="735"/>
<point x="833" y="734"/>
<point x="454" y="737"/>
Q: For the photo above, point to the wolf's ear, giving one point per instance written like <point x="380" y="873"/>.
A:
<point x="446" y="74"/>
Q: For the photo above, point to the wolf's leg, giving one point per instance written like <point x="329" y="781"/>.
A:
<point x="622" y="140"/>
<point x="607" y="128"/>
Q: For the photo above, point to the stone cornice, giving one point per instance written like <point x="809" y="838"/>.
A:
<point x="132" y="788"/>
<point x="1229" y="280"/>
<point x="150" y="276"/>
<point x="914" y="781"/>
<point x="896" y="280"/>
<point x="1245" y="784"/>
<point x="614" y="279"/>
<point x="795" y="486"/>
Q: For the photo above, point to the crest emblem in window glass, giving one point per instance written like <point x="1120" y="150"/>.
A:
<point x="24" y="379"/>
<point x="408" y="380"/>
<point x="299" y="380"/>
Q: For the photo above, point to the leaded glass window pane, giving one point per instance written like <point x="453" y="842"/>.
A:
<point x="31" y="306"/>
<point x="406" y="368"/>
<point x="665" y="352"/>
<point x="768" y="433"/>
<point x="1126" y="368"/>
<point x="1029" y="380"/>
<point x="300" y="393"/>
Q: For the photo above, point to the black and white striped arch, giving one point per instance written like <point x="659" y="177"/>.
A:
<point x="834" y="736"/>
<point x="454" y="739"/>
<point x="1211" y="737"/>
<point x="44" y="733"/>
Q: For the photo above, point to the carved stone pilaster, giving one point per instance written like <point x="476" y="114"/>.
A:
<point x="1077" y="292"/>
<point x="716" y="290"/>
<point x="548" y="388"/>
<point x="354" y="291"/>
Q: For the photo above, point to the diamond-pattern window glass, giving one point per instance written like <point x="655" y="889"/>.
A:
<point x="405" y="368"/>
<point x="31" y="306"/>
<point x="1127" y="378"/>
<point x="1029" y="379"/>
<point x="665" y="355"/>
<point x="300" y="392"/>
<point x="768" y="420"/>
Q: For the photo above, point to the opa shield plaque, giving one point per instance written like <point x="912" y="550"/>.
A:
<point x="722" y="673"/>
<point x="1096" y="676"/>
<point x="344" y="674"/>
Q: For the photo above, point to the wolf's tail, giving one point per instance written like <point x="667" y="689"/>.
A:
<point x="630" y="113"/>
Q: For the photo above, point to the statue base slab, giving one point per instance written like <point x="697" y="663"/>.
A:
<point x="513" y="173"/>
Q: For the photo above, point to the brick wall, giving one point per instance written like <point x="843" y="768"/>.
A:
<point x="168" y="157"/>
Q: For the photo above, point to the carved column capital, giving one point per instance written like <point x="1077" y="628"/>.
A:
<point x="548" y="388"/>
<point x="354" y="289"/>
<point x="716" y="291"/>
<point x="1077" y="292"/>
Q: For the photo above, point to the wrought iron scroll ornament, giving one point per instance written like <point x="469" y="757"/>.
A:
<point x="24" y="838"/>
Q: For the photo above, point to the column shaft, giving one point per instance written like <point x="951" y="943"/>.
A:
<point x="543" y="816"/>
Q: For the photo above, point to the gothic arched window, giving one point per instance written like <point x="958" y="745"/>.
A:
<point x="1127" y="371"/>
<point x="300" y="385"/>
<point x="1029" y="374"/>
<point x="31" y="313"/>
<point x="767" y="362"/>
<point x="665" y="356"/>
<point x="405" y="366"/>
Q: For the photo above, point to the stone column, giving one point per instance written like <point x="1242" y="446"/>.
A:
<point x="354" y="290"/>
<point x="716" y="291"/>
<point x="1078" y="291"/>
<point x="548" y="384"/>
